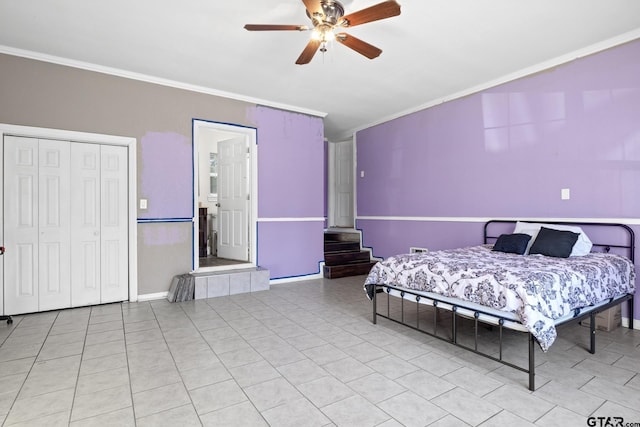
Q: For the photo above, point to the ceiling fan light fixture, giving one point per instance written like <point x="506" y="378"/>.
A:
<point x="323" y="33"/>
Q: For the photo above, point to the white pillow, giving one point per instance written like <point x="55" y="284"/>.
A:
<point x="581" y="247"/>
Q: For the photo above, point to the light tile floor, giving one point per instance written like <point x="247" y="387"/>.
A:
<point x="300" y="354"/>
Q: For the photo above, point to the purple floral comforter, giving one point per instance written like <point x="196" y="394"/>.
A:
<point x="536" y="288"/>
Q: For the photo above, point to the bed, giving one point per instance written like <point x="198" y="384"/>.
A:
<point x="531" y="278"/>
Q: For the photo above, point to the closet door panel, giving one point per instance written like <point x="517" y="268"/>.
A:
<point x="54" y="188"/>
<point x="85" y="220"/>
<point x="114" y="226"/>
<point x="20" y="224"/>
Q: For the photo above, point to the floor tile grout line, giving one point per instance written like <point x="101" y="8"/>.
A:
<point x="12" y="328"/>
<point x="126" y="353"/>
<point x="174" y="363"/>
<point x="213" y="351"/>
<point x="35" y="360"/>
<point x="84" y="346"/>
<point x="75" y="388"/>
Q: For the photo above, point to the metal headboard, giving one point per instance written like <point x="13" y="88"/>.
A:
<point x="631" y="246"/>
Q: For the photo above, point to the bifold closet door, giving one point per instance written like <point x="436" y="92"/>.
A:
<point x="65" y="224"/>
<point x="114" y="231"/>
<point x="99" y="234"/>
<point x="85" y="217"/>
<point x="36" y="223"/>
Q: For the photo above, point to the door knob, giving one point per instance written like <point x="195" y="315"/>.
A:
<point x="1" y="250"/>
<point x="218" y="205"/>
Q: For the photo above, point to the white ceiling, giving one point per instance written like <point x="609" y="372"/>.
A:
<point x="434" y="50"/>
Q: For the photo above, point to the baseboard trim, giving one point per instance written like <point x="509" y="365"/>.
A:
<point x="151" y="297"/>
<point x="636" y="323"/>
<point x="296" y="278"/>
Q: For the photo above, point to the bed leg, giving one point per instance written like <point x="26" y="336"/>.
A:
<point x="375" y="304"/>
<point x="592" y="331"/>
<point x="631" y="313"/>
<point x="454" y="324"/>
<point x="532" y="364"/>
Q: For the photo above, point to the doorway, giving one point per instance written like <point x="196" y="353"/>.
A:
<point x="225" y="202"/>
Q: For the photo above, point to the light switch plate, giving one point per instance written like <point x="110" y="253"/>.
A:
<point x="143" y="203"/>
<point x="565" y="194"/>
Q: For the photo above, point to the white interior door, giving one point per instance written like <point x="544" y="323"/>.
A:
<point x="114" y="255"/>
<point x="233" y="205"/>
<point x="20" y="224"/>
<point x="54" y="256"/>
<point x="85" y="218"/>
<point x="343" y="179"/>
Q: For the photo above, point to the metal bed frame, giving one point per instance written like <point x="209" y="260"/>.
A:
<point x="437" y="303"/>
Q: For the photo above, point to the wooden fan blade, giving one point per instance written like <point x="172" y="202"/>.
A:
<point x="379" y="11"/>
<point x="312" y="6"/>
<point x="307" y="54"/>
<point x="259" y="27"/>
<point x="363" y="48"/>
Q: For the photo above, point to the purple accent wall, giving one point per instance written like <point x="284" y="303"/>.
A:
<point x="291" y="184"/>
<point x="166" y="175"/>
<point x="507" y="152"/>
<point x="510" y="149"/>
<point x="290" y="164"/>
<point x="290" y="249"/>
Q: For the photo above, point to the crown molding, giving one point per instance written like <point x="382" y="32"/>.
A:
<point x="154" y="80"/>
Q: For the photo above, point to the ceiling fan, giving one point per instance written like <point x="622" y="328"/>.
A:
<point x="327" y="16"/>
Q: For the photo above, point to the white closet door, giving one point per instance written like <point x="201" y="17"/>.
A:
<point x="85" y="220"/>
<point x="54" y="275"/>
<point x="114" y="226"/>
<point x="20" y="224"/>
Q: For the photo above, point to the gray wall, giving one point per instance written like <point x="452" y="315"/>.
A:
<point x="34" y="93"/>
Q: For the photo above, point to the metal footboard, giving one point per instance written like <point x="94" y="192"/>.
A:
<point x="476" y="315"/>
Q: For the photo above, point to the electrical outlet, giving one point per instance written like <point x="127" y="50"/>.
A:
<point x="415" y="250"/>
<point x="565" y="194"/>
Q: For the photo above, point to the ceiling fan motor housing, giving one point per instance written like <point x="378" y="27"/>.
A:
<point x="331" y="13"/>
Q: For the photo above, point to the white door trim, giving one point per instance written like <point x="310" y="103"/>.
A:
<point x="93" y="138"/>
<point x="252" y="142"/>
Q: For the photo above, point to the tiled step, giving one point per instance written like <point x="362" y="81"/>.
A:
<point x="335" y="271"/>
<point x="231" y="282"/>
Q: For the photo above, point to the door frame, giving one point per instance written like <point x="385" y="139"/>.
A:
<point x="91" y="138"/>
<point x="251" y="138"/>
